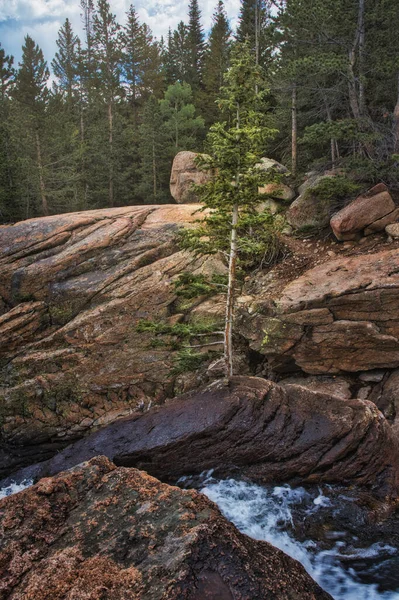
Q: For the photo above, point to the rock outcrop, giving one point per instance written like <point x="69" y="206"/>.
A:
<point x="341" y="316"/>
<point x="99" y="531"/>
<point x="184" y="175"/>
<point x="73" y="288"/>
<point x="368" y="214"/>
<point x="253" y="428"/>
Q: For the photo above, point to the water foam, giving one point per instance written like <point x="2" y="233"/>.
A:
<point x="266" y="514"/>
<point x="14" y="488"/>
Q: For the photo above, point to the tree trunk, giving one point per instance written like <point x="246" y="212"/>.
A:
<point x="229" y="319"/>
<point x="229" y="322"/>
<point x="333" y="144"/>
<point x="41" y="179"/>
<point x="154" y="169"/>
<point x="396" y="124"/>
<point x="111" y="155"/>
<point x="294" y="159"/>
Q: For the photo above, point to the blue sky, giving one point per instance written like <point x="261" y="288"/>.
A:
<point x="41" y="19"/>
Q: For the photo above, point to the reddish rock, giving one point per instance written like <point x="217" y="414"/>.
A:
<point x="341" y="316"/>
<point x="99" y="532"/>
<point x="73" y="288"/>
<point x="184" y="174"/>
<point x="371" y="211"/>
<point x="252" y="426"/>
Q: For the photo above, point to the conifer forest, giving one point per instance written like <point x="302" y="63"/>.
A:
<point x="100" y="124"/>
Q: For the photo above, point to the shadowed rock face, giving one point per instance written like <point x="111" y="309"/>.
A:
<point x="72" y="290"/>
<point x="252" y="427"/>
<point x="104" y="532"/>
<point x="342" y="316"/>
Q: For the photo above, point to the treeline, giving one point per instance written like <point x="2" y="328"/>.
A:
<point x="122" y="104"/>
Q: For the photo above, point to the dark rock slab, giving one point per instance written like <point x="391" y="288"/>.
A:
<point x="250" y="427"/>
<point x="101" y="532"/>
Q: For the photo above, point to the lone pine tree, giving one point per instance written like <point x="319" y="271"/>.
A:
<point x="234" y="149"/>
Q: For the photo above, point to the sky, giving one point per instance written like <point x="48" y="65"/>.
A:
<point x="42" y="19"/>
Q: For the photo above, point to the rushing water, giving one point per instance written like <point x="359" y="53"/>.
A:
<point x="14" y="488"/>
<point x="267" y="514"/>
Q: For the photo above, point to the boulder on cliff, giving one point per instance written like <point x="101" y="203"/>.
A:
<point x="184" y="175"/>
<point x="253" y="427"/>
<point x="369" y="213"/>
<point x="73" y="289"/>
<point x="99" y="531"/>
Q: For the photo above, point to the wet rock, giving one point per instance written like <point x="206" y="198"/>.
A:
<point x="74" y="288"/>
<point x="370" y="213"/>
<point x="184" y="175"/>
<point x="341" y="316"/>
<point x="254" y="428"/>
<point x="99" y="531"/>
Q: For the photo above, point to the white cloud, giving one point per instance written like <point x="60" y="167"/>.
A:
<point x="41" y="19"/>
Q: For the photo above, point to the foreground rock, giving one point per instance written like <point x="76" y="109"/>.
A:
<point x="184" y="175"/>
<point x="342" y="316"/>
<point x="73" y="288"/>
<point x="368" y="214"/>
<point x="253" y="428"/>
<point x="100" y="532"/>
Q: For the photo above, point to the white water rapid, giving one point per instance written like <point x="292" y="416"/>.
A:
<point x="266" y="514"/>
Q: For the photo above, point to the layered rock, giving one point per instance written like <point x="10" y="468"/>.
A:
<point x="184" y="175"/>
<point x="341" y="316"/>
<point x="252" y="427"/>
<point x="368" y="214"/>
<point x="73" y="289"/>
<point x="104" y="532"/>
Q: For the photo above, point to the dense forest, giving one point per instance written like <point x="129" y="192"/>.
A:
<point x="100" y="125"/>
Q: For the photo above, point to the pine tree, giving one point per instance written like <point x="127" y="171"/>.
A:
<point x="7" y="174"/>
<point x="107" y="53"/>
<point x="181" y="126"/>
<point x="32" y="95"/>
<point x="155" y="166"/>
<point x="253" y="23"/>
<point x="216" y="63"/>
<point x="233" y="150"/>
<point x="196" y="46"/>
<point x="178" y="55"/>
<point x="65" y="65"/>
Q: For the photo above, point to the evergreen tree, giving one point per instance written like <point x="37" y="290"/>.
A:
<point x="7" y="174"/>
<point x="216" y="63"/>
<point x="181" y="126"/>
<point x="107" y="53"/>
<point x="155" y="166"/>
<point x="253" y="24"/>
<point x="178" y="56"/>
<point x="196" y="46"/>
<point x="234" y="149"/>
<point x="66" y="64"/>
<point x="32" y="96"/>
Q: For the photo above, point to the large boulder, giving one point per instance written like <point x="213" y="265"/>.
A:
<point x="184" y="175"/>
<point x="99" y="532"/>
<point x="74" y="288"/>
<point x="308" y="212"/>
<point x="368" y="214"/>
<point x="252" y="427"/>
<point x="341" y="316"/>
